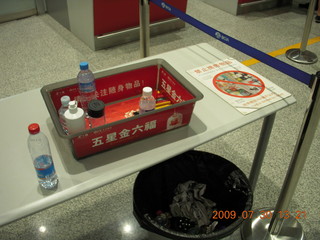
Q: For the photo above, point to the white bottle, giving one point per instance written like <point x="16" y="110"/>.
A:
<point x="39" y="149"/>
<point x="75" y="118"/>
<point x="147" y="101"/>
<point x="64" y="107"/>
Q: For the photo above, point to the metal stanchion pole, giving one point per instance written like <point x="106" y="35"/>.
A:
<point x="302" y="55"/>
<point x="144" y="10"/>
<point x="282" y="224"/>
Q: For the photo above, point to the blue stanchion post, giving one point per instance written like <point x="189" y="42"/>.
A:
<point x="253" y="52"/>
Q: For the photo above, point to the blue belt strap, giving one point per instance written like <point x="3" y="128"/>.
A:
<point x="255" y="53"/>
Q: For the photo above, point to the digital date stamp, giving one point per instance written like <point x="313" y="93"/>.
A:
<point x="248" y="214"/>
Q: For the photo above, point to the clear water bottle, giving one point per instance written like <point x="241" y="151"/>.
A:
<point x="39" y="149"/>
<point x="147" y="101"/>
<point x="64" y="107"/>
<point x="87" y="87"/>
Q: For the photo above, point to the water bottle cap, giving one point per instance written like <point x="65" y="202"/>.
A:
<point x="34" y="128"/>
<point x="65" y="100"/>
<point x="84" y="66"/>
<point x="96" y="108"/>
<point x="147" y="91"/>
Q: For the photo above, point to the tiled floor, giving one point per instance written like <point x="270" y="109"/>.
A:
<point x="37" y="50"/>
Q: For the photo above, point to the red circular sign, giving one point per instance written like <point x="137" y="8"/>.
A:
<point x="238" y="84"/>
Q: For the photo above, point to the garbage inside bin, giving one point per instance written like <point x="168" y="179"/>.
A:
<point x="195" y="195"/>
<point x="189" y="203"/>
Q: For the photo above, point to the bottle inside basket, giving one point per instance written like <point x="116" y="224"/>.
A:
<point x="96" y="113"/>
<point x="39" y="149"/>
<point x="87" y="87"/>
<point x="75" y="118"/>
<point x="147" y="101"/>
<point x="64" y="107"/>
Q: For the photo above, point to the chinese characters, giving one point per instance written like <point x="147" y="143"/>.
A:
<point x="124" y="133"/>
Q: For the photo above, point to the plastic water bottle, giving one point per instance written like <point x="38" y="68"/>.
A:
<point x="39" y="149"/>
<point x="87" y="87"/>
<point x="64" y="107"/>
<point x="147" y="101"/>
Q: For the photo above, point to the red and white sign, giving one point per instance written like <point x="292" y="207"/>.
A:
<point x="238" y="85"/>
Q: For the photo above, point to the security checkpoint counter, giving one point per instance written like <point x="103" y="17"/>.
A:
<point x="212" y="117"/>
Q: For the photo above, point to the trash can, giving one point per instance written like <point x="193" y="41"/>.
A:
<point x="225" y="187"/>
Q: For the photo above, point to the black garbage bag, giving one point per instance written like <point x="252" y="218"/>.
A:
<point x="226" y="186"/>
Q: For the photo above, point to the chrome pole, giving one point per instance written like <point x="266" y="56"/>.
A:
<point x="144" y="12"/>
<point x="282" y="225"/>
<point x="302" y="55"/>
<point x="311" y="120"/>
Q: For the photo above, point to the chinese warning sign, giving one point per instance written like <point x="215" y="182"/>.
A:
<point x="238" y="85"/>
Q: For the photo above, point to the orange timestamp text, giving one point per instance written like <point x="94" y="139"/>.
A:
<point x="263" y="214"/>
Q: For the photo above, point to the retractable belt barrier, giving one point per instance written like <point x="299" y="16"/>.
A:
<point x="253" y="52"/>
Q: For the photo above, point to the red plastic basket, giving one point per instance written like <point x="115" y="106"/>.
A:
<point x="120" y="89"/>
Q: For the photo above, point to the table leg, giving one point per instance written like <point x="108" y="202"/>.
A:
<point x="261" y="149"/>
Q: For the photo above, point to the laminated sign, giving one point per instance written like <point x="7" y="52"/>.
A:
<point x="238" y="85"/>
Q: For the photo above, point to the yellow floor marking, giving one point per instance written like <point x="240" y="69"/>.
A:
<point x="282" y="51"/>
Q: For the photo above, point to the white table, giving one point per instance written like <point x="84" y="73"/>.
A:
<point x="212" y="117"/>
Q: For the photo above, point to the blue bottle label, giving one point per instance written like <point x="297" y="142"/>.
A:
<point x="44" y="166"/>
<point x="87" y="87"/>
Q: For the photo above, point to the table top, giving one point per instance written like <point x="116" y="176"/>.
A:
<point x="19" y="189"/>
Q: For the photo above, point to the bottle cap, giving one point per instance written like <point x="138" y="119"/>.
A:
<point x="65" y="100"/>
<point x="147" y="91"/>
<point x="34" y="128"/>
<point x="84" y="66"/>
<point x="96" y="108"/>
<point x="73" y="106"/>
